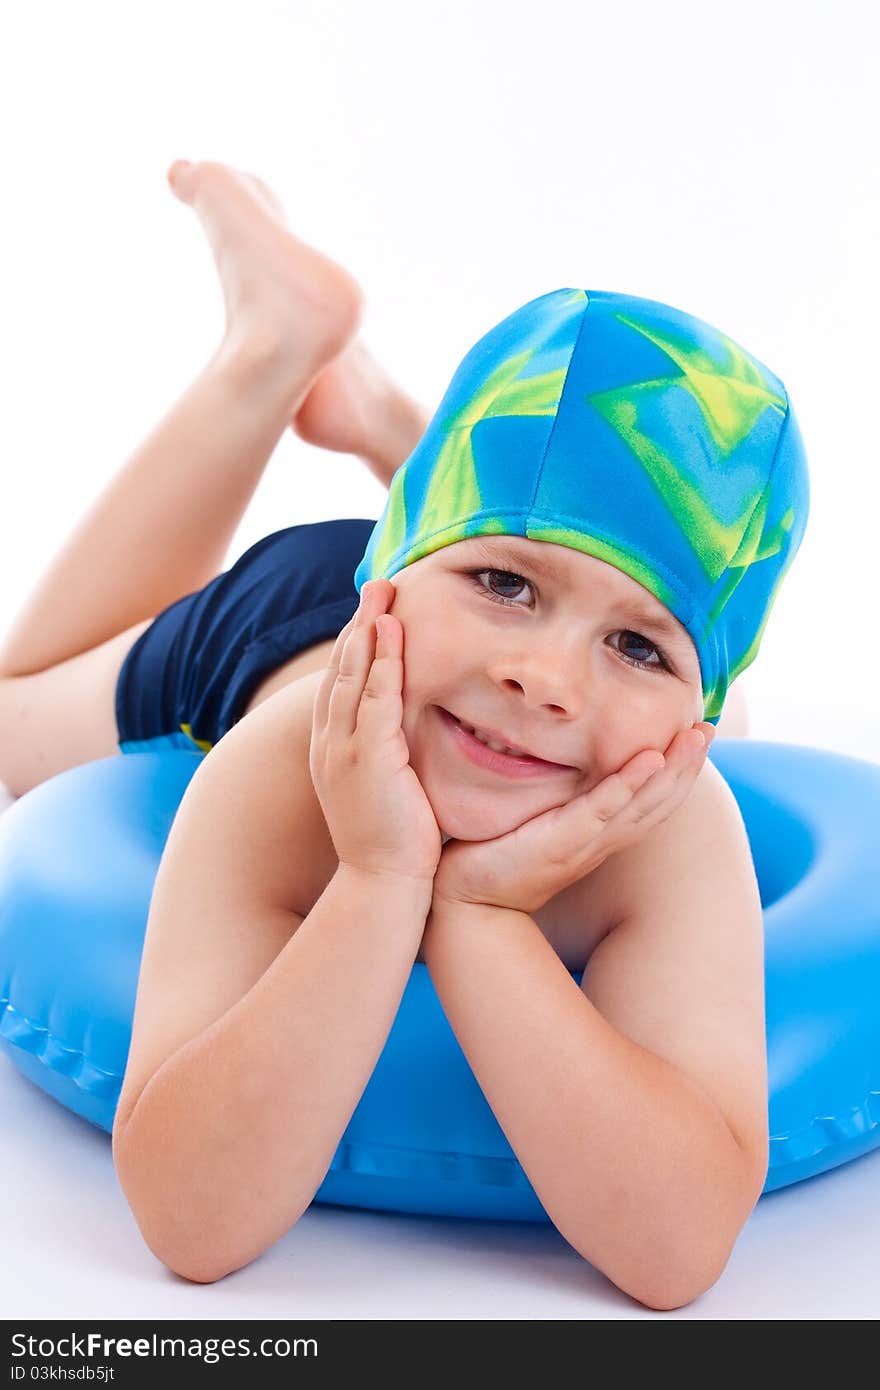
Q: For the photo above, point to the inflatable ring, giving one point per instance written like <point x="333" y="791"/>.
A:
<point x="79" y="854"/>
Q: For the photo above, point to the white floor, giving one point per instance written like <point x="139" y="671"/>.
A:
<point x="73" y="1251"/>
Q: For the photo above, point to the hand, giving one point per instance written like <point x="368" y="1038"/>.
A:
<point x="531" y="864"/>
<point x="378" y="815"/>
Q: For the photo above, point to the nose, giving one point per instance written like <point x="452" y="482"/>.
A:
<point x="547" y="675"/>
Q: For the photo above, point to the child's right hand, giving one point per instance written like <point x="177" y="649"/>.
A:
<point x="376" y="809"/>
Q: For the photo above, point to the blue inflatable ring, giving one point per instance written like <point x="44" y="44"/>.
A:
<point x="79" y="854"/>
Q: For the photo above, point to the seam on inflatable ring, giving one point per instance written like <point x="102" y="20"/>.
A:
<point x="386" y="1160"/>
<point x="859" y="1121"/>
<point x="389" y="1161"/>
<point x="22" y="1032"/>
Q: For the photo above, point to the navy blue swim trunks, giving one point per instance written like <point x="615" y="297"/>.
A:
<point x="189" y="676"/>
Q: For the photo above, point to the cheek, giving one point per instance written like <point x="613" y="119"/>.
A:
<point x="432" y="648"/>
<point x="424" y="663"/>
<point x="646" y="718"/>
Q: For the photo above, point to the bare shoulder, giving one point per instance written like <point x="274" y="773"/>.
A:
<point x="236" y="879"/>
<point x="267" y="755"/>
<point x="585" y="913"/>
<point x="682" y="972"/>
<point x="708" y="825"/>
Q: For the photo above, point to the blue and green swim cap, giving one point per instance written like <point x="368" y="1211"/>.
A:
<point x="629" y="430"/>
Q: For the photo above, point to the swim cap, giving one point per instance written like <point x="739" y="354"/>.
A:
<point x="631" y="431"/>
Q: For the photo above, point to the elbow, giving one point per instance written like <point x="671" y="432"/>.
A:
<point x="197" y="1262"/>
<point x="680" y="1281"/>
<point x="197" y="1247"/>
<point x="661" y="1279"/>
<point x="677" y="1292"/>
<point x="163" y="1232"/>
<point x="673" y="1270"/>
<point x="199" y="1271"/>
<point x="201" y="1265"/>
<point x="670" y="1273"/>
<point x="698" y="1260"/>
<point x="687" y="1267"/>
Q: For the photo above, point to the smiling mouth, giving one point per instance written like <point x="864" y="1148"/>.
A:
<point x="507" y="763"/>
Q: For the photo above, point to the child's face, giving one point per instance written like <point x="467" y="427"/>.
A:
<point x="541" y="660"/>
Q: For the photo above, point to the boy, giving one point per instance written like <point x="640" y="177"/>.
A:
<point x="310" y="862"/>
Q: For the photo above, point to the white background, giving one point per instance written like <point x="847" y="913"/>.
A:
<point x="459" y="158"/>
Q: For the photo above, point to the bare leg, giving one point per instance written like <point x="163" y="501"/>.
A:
<point x="162" y="526"/>
<point x="354" y="407"/>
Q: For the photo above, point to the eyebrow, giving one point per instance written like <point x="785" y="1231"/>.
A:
<point x="505" y="551"/>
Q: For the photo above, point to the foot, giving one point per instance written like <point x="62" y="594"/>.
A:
<point x="277" y="288"/>
<point x="355" y="407"/>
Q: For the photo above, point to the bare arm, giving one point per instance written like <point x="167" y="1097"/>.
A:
<point x="636" y="1104"/>
<point x="231" y="1138"/>
<point x="256" y="1029"/>
<point x="633" y="1163"/>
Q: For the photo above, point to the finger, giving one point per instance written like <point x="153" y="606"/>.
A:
<point x="647" y="777"/>
<point x="685" y="755"/>
<point x="650" y="782"/>
<point x="321" y="706"/>
<point x="659" y="796"/>
<point x="375" y="596"/>
<point x="381" y="707"/>
<point x="355" y="660"/>
<point x="322" y="697"/>
<point x="573" y="829"/>
<point x="616" y="792"/>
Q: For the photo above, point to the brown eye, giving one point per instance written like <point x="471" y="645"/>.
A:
<point x="507" y="580"/>
<point x="642" y="642"/>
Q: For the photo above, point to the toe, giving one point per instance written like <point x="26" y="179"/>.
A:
<point x="180" y="179"/>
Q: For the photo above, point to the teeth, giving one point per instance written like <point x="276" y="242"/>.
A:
<point x="492" y="742"/>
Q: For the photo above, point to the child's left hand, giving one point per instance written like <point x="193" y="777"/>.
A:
<point x="531" y="864"/>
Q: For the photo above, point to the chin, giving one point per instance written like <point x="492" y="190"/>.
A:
<point x="460" y="824"/>
<point x="466" y="813"/>
<point x="465" y="810"/>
